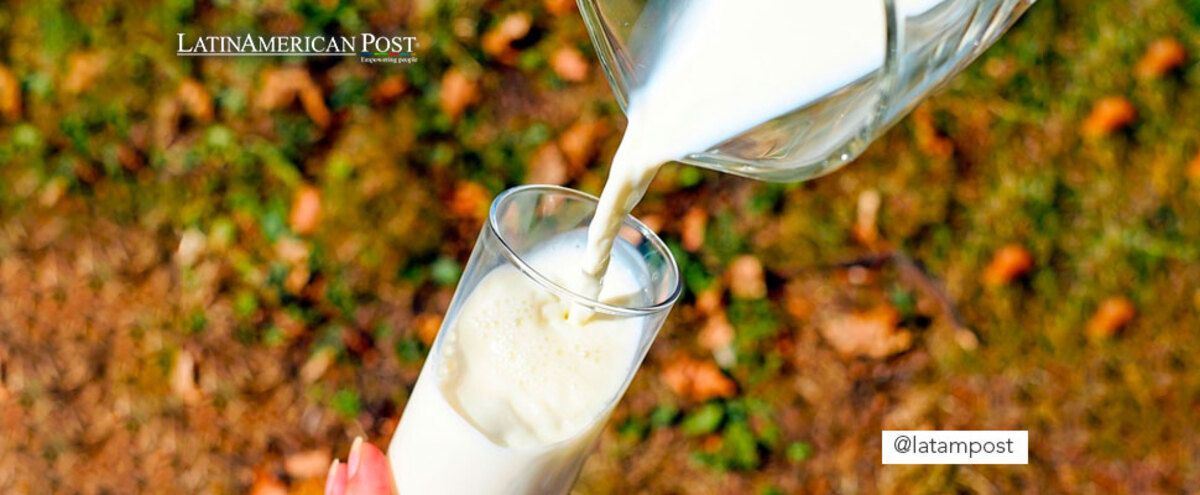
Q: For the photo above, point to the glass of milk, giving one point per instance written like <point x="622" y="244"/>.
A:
<point x="785" y="90"/>
<point x="513" y="392"/>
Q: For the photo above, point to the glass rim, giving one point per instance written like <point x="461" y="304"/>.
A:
<point x="529" y="271"/>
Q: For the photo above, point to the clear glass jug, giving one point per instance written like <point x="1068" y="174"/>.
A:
<point x="925" y="43"/>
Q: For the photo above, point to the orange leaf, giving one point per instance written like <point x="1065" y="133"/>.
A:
<point x="306" y="210"/>
<point x="457" y="92"/>
<point x="697" y="380"/>
<point x="1108" y="115"/>
<point x="1007" y="264"/>
<point x="871" y="333"/>
<point x="1163" y="56"/>
<point x="746" y="278"/>
<point x="569" y="64"/>
<point x="1112" y="315"/>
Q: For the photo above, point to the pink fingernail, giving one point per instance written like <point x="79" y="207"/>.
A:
<point x="355" y="457"/>
<point x="331" y="478"/>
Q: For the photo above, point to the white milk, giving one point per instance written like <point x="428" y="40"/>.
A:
<point x="725" y="67"/>
<point x="520" y="392"/>
<point x="524" y="388"/>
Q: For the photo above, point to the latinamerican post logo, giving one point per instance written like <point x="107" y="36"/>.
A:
<point x="369" y="47"/>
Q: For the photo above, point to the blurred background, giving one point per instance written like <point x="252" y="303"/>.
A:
<point x="216" y="272"/>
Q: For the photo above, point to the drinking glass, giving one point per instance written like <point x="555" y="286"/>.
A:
<point x="925" y="42"/>
<point x="435" y="449"/>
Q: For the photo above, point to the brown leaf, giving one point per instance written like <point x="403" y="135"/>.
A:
<point x="693" y="228"/>
<point x="929" y="139"/>
<point x="871" y="333"/>
<point x="746" y="278"/>
<point x="314" y="105"/>
<point x="308" y="464"/>
<point x="196" y="100"/>
<point x="1008" y="263"/>
<point x="578" y="142"/>
<point x="470" y="200"/>
<point x="717" y="332"/>
<point x="497" y="42"/>
<point x="317" y="365"/>
<point x="183" y="378"/>
<point x="128" y="157"/>
<point x="266" y="483"/>
<point x="708" y="301"/>
<point x="796" y="301"/>
<point x="549" y="166"/>
<point x="559" y="7"/>
<point x="1108" y="115"/>
<point x="1112" y="315"/>
<point x="569" y="64"/>
<point x="1163" y="56"/>
<point x="457" y="92"/>
<point x="389" y="89"/>
<point x="865" y="229"/>
<point x="10" y="94"/>
<point x="82" y="69"/>
<point x="697" y="380"/>
<point x="1193" y="169"/>
<point x="428" y="325"/>
<point x="306" y="210"/>
<point x="281" y="87"/>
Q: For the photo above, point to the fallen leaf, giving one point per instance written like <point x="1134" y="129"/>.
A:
<point x="280" y="87"/>
<point x="389" y="89"/>
<point x="308" y="464"/>
<point x="10" y="94"/>
<point x="1112" y="315"/>
<point x="82" y="69"/>
<point x="1161" y="57"/>
<point x="865" y="229"/>
<point x="746" y="278"/>
<point x="128" y="157"/>
<point x="717" y="332"/>
<point x="314" y="105"/>
<point x="266" y="483"/>
<point x="183" y="378"/>
<point x="457" y="92"/>
<point x="497" y="42"/>
<point x="708" y="301"/>
<point x="693" y="228"/>
<point x="872" y="333"/>
<point x="559" y="7"/>
<point x="569" y="64"/>
<point x="191" y="246"/>
<point x="1108" y="115"/>
<point x="317" y="364"/>
<point x="549" y="166"/>
<point x="1193" y="169"/>
<point x="306" y="210"/>
<point x="796" y="301"/>
<point x="578" y="142"/>
<point x="470" y="200"/>
<point x="428" y="325"/>
<point x="929" y="139"/>
<point x="1008" y="263"/>
<point x="196" y="100"/>
<point x="697" y="380"/>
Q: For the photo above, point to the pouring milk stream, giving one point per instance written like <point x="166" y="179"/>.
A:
<point x="526" y="381"/>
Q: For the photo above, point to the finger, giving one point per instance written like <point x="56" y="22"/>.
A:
<point x="369" y="472"/>
<point x="335" y="481"/>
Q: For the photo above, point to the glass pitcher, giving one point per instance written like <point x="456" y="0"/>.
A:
<point x="925" y="42"/>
